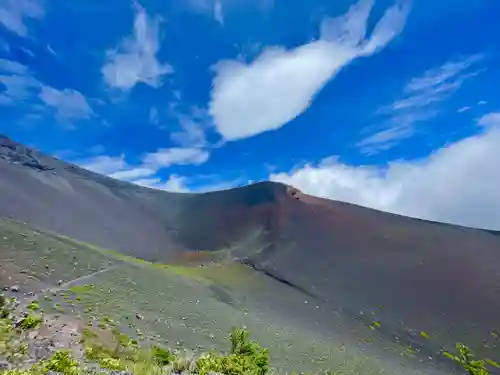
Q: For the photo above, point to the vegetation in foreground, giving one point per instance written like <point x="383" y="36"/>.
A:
<point x="106" y="350"/>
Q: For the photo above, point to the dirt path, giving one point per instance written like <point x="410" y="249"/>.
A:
<point x="63" y="286"/>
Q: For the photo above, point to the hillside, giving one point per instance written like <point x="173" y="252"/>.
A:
<point x="278" y="258"/>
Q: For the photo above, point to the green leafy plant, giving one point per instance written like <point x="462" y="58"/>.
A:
<point x="465" y="358"/>
<point x="61" y="361"/>
<point x="29" y="322"/>
<point x="246" y="357"/>
<point x="162" y="356"/>
<point x="34" y="306"/>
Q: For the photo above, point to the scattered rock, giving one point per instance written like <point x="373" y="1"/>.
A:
<point x="14" y="288"/>
<point x="139" y="316"/>
<point x="116" y="372"/>
<point x="4" y="365"/>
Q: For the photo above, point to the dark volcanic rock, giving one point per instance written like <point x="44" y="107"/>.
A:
<point x="19" y="154"/>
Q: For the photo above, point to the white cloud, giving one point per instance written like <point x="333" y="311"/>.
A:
<point x="421" y="95"/>
<point x="135" y="60"/>
<point x="12" y="67"/>
<point x="176" y="155"/>
<point x="211" y="8"/>
<point x="176" y="184"/>
<point x="20" y="85"/>
<point x="193" y="122"/>
<point x="464" y="109"/>
<point x="17" y="81"/>
<point x="153" y="116"/>
<point x="192" y="133"/>
<point x="456" y="184"/>
<point x="280" y="84"/>
<point x="218" y="14"/>
<point x="69" y="104"/>
<point x="132" y="173"/>
<point x="145" y="173"/>
<point x="13" y="14"/>
<point x="104" y="164"/>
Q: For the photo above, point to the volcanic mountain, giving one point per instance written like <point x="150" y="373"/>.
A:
<point x="408" y="275"/>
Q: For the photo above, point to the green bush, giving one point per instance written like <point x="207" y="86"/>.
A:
<point x="465" y="358"/>
<point x="34" y="306"/>
<point x="61" y="361"/>
<point x="29" y="322"/>
<point x="162" y="356"/>
<point x="246" y="357"/>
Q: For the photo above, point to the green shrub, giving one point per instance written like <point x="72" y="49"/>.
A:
<point x="61" y="361"/>
<point x="34" y="306"/>
<point x="29" y="322"/>
<point x="247" y="357"/>
<point x="162" y="356"/>
<point x="465" y="358"/>
<point x="4" y="311"/>
<point x="111" y="363"/>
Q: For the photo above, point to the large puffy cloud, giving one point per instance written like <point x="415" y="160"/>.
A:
<point x="280" y="84"/>
<point x="456" y="184"/>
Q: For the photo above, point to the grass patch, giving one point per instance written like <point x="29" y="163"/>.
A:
<point x="31" y="321"/>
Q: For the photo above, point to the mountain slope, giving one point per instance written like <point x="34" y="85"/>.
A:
<point x="410" y="275"/>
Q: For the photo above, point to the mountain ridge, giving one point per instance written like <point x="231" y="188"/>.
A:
<point x="430" y="276"/>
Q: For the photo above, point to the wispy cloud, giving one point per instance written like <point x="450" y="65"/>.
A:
<point x="104" y="164"/>
<point x="135" y="59"/>
<point x="464" y="109"/>
<point x="68" y="103"/>
<point x="420" y="100"/>
<point x="145" y="173"/>
<point x="18" y="82"/>
<point x="131" y="174"/>
<point x="280" y="84"/>
<point x="176" y="156"/>
<point x="153" y="116"/>
<point x="174" y="183"/>
<point x="14" y="13"/>
<point x="216" y="9"/>
<point x="20" y="86"/>
<point x="218" y="13"/>
<point x="193" y="123"/>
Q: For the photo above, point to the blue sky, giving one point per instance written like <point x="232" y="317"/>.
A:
<point x="389" y="104"/>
